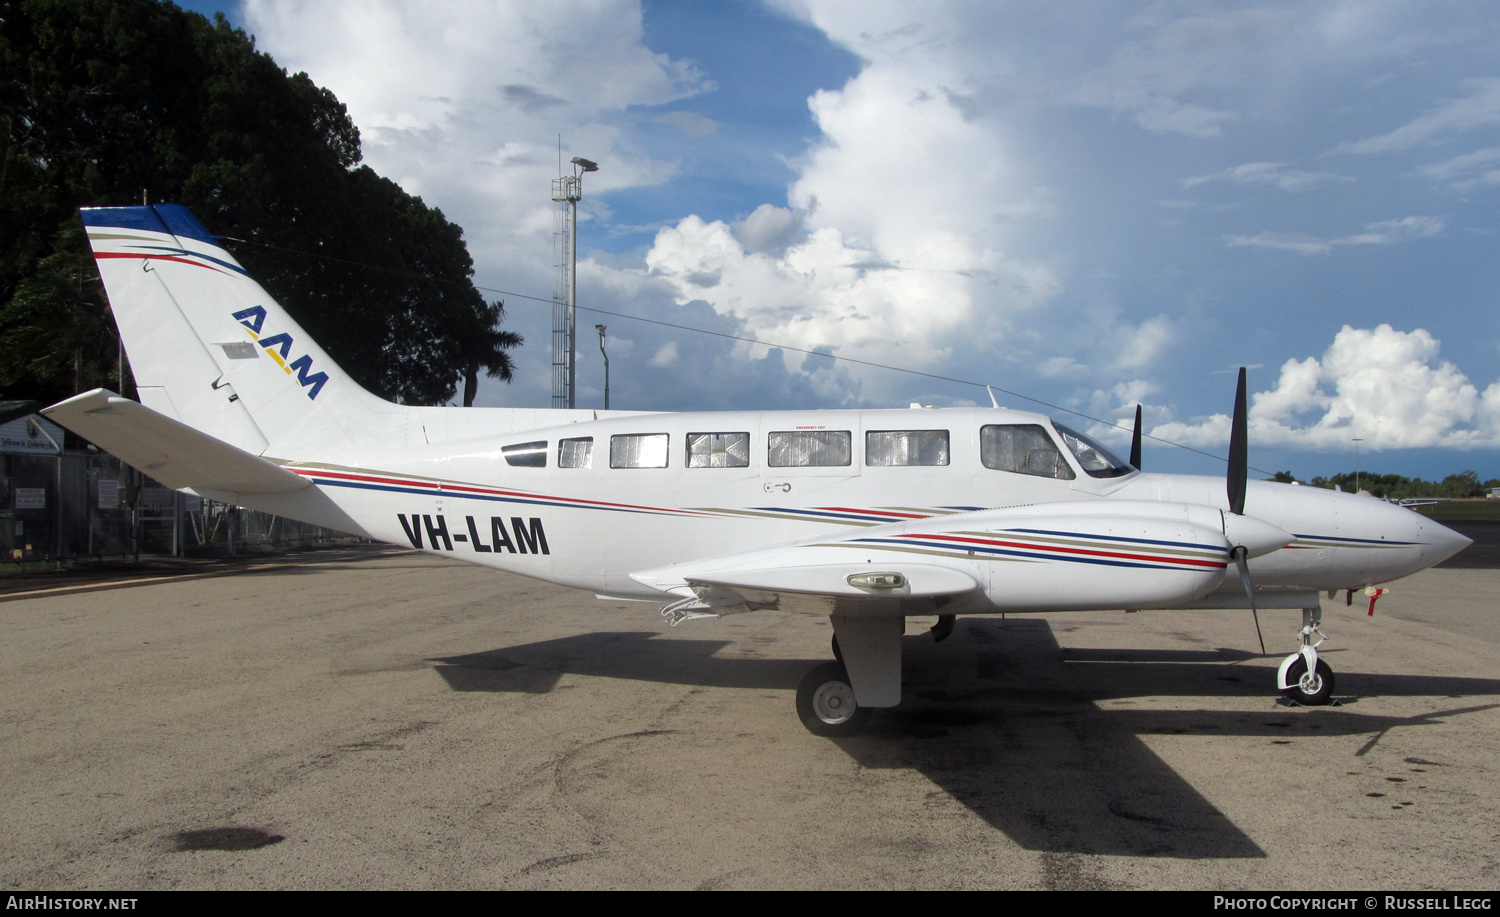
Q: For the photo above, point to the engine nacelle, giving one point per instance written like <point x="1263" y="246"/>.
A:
<point x="1035" y="559"/>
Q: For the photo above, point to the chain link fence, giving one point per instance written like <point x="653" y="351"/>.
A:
<point x="56" y="508"/>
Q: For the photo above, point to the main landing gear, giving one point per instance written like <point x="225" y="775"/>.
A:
<point x="837" y="698"/>
<point x="826" y="705"/>
<point x="1304" y="678"/>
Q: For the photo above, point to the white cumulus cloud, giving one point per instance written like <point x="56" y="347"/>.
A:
<point x="893" y="245"/>
<point x="1386" y="387"/>
<point x="462" y="102"/>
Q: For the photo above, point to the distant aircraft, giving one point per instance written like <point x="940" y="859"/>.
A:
<point x="867" y="516"/>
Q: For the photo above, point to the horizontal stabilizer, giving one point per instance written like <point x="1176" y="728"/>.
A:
<point x="171" y="452"/>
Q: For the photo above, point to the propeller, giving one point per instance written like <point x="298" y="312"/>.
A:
<point x="1235" y="486"/>
<point x="1238" y="553"/>
<point x="1135" y="441"/>
<point x="1239" y="443"/>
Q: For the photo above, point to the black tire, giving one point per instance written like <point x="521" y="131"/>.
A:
<point x="1314" y="692"/>
<point x="837" y="653"/>
<point x="825" y="703"/>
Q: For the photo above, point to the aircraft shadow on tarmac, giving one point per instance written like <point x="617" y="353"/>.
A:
<point x="1009" y="723"/>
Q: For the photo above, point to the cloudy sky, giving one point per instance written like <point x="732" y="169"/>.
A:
<point x="1089" y="204"/>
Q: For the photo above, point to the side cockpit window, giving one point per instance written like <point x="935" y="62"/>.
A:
<point x="526" y="455"/>
<point x="1096" y="461"/>
<point x="576" y="453"/>
<point x="1022" y="448"/>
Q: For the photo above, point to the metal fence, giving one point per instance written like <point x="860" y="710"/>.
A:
<point x="55" y="508"/>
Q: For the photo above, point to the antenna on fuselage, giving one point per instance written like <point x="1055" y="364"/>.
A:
<point x="993" y="400"/>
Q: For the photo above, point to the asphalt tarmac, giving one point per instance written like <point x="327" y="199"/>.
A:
<point x="392" y="720"/>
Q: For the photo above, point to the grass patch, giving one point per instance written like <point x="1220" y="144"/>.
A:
<point x="1462" y="509"/>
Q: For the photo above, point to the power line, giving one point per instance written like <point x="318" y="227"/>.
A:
<point x="749" y="340"/>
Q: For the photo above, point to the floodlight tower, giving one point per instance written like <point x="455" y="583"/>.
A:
<point x="567" y="190"/>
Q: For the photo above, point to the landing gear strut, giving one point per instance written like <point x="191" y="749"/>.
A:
<point x="1303" y="677"/>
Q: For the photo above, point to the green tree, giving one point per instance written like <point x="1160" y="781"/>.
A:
<point x="488" y="351"/>
<point x="106" y="100"/>
<point x="1463" y="484"/>
<point x="59" y="336"/>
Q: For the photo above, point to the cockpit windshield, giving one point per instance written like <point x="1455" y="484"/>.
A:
<point x="1098" y="461"/>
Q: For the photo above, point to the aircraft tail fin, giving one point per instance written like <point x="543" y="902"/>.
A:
<point x="211" y="349"/>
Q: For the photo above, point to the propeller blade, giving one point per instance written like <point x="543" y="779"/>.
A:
<point x="1239" y="457"/>
<point x="1135" y="440"/>
<point x="1240" y="560"/>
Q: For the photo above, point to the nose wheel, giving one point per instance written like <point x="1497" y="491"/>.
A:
<point x="1311" y="689"/>
<point x="826" y="705"/>
<point x="1304" y="678"/>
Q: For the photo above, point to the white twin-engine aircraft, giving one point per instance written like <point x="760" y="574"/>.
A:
<point x="867" y="517"/>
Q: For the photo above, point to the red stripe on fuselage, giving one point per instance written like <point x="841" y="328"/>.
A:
<point x="1118" y="555"/>
<point x="462" y="488"/>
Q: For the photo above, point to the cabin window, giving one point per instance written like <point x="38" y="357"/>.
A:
<point x="809" y="448"/>
<point x="576" y="453"/>
<point x="638" y="450"/>
<point x="906" y="447"/>
<point x="526" y="455"/>
<point x="1024" y="448"/>
<point x="718" y="450"/>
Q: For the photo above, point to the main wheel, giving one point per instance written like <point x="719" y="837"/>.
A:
<point x="825" y="702"/>
<point x="1311" y="690"/>
<point x="837" y="653"/>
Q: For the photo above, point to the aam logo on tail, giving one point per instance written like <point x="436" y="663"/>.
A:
<point x="279" y="346"/>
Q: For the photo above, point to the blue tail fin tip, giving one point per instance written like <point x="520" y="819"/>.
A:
<point x="169" y="218"/>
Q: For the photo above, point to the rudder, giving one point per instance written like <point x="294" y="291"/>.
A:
<point x="212" y="349"/>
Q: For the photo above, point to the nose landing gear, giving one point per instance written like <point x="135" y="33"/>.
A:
<point x="1304" y="678"/>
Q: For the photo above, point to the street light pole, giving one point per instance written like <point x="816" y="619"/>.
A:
<point x="606" y="365"/>
<point x="1357" y="441"/>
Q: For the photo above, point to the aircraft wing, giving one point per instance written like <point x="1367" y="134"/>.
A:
<point x="817" y="580"/>
<point x="171" y="452"/>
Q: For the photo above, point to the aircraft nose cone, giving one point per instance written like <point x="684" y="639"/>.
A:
<point x="1439" y="542"/>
